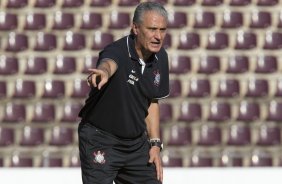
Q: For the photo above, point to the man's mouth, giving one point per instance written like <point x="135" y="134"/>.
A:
<point x="156" y="43"/>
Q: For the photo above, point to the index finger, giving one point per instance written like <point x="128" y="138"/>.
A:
<point x="95" y="71"/>
<point x="159" y="169"/>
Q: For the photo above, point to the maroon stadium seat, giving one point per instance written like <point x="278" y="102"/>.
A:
<point x="15" y="4"/>
<point x="269" y="135"/>
<point x="74" y="41"/>
<point x="3" y="89"/>
<point x="70" y="112"/>
<point x="100" y="3"/>
<point x="88" y="63"/>
<point x="51" y="159"/>
<point x="201" y="160"/>
<point x="231" y="158"/>
<point x="179" y="136"/>
<point x="167" y="43"/>
<point x="44" y="3"/>
<point x="190" y="112"/>
<point x="7" y="136"/>
<point x="175" y="88"/>
<point x="9" y="65"/>
<point x="219" y="111"/>
<point x="53" y="89"/>
<point x="237" y="64"/>
<point x="239" y="135"/>
<point x="62" y="21"/>
<point x="274" y="111"/>
<point x="232" y="19"/>
<point x="52" y="162"/>
<point x="199" y="88"/>
<point x="257" y="88"/>
<point x="72" y="3"/>
<point x="9" y="21"/>
<point x="266" y="64"/>
<point x="245" y="40"/>
<point x="177" y="20"/>
<point x="248" y="111"/>
<point x="267" y="2"/>
<point x="35" y="21"/>
<point x="64" y="65"/>
<point x="31" y="136"/>
<point x="204" y="20"/>
<point x="36" y="65"/>
<point x="261" y="158"/>
<point x="272" y="41"/>
<point x="180" y="64"/>
<point x="43" y="113"/>
<point x="260" y="20"/>
<point x="209" y="135"/>
<point x="228" y="88"/>
<point x="20" y="160"/>
<point x="166" y="112"/>
<point x="100" y="40"/>
<point x="217" y="41"/>
<point x="14" y="113"/>
<point x="278" y="88"/>
<point x="128" y="2"/>
<point x="91" y="20"/>
<point x="240" y="2"/>
<point x="184" y="2"/>
<point x="17" y="42"/>
<point x="212" y="2"/>
<point x="45" y="42"/>
<point x="119" y="20"/>
<point x="61" y="136"/>
<point x="80" y="89"/>
<point x="172" y="161"/>
<point x="24" y="89"/>
<point x="209" y="64"/>
<point x="189" y="41"/>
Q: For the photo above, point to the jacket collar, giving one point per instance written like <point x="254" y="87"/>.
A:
<point x="132" y="52"/>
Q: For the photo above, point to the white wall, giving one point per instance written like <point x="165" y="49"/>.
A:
<point x="171" y="176"/>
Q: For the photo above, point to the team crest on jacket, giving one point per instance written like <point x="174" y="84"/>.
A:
<point x="157" y="77"/>
<point x="99" y="157"/>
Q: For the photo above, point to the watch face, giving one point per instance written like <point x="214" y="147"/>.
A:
<point x="157" y="143"/>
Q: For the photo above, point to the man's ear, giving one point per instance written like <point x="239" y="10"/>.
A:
<point x="134" y="28"/>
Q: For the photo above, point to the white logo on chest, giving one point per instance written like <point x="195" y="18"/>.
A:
<point x="132" y="79"/>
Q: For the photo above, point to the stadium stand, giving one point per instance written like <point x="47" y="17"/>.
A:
<point x="224" y="108"/>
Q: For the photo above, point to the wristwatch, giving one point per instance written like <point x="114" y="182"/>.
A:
<point x="156" y="142"/>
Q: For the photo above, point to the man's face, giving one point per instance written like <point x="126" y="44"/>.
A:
<point x="151" y="32"/>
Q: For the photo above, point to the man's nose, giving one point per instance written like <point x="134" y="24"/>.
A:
<point x="158" y="34"/>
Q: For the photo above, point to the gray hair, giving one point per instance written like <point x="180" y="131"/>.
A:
<point x="148" y="6"/>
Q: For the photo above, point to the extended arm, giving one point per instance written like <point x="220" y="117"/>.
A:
<point x="105" y="70"/>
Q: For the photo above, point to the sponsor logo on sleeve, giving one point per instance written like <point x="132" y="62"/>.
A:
<point x="157" y="78"/>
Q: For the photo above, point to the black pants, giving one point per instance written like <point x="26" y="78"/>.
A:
<point x="106" y="158"/>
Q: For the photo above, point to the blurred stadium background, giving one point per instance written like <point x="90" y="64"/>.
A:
<point x="225" y="107"/>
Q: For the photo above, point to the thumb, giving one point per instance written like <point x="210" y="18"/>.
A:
<point x="104" y="80"/>
<point x="151" y="159"/>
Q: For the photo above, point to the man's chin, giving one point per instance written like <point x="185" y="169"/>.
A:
<point x="155" y="50"/>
